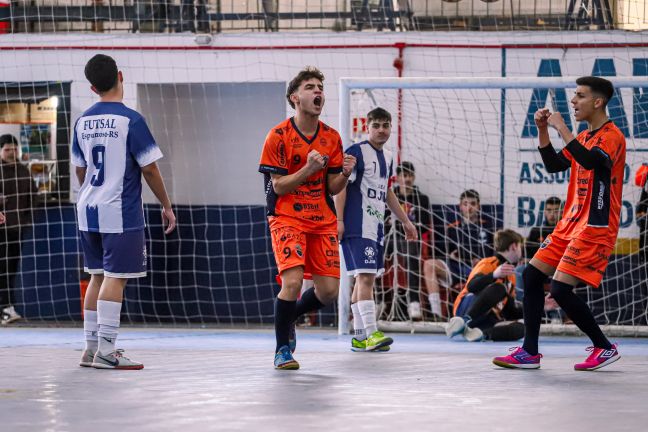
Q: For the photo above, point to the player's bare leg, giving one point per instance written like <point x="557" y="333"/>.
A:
<point x="435" y="274"/>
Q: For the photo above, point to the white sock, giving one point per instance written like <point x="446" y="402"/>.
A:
<point x="108" y="320"/>
<point x="435" y="303"/>
<point x="367" y="310"/>
<point x="358" y="326"/>
<point x="90" y="329"/>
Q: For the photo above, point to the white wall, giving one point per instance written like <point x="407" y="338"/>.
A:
<point x="453" y="137"/>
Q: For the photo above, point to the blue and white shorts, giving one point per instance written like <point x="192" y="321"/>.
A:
<point x="363" y="256"/>
<point x="118" y="255"/>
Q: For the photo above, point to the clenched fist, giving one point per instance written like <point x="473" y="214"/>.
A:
<point x="315" y="161"/>
<point x="348" y="164"/>
<point x="556" y="121"/>
<point x="541" y="117"/>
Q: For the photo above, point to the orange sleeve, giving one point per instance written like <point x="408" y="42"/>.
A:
<point x="642" y="175"/>
<point x="337" y="157"/>
<point x="610" y="143"/>
<point x="273" y="157"/>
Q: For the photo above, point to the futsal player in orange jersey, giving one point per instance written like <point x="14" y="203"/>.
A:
<point x="578" y="250"/>
<point x="303" y="165"/>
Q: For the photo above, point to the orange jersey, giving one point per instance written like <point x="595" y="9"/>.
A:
<point x="483" y="267"/>
<point x="593" y="205"/>
<point x="309" y="207"/>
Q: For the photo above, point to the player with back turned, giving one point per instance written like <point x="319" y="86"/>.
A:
<point x="578" y="250"/>
<point x="303" y="165"/>
<point x="112" y="148"/>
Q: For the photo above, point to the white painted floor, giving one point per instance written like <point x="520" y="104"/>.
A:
<point x="204" y="380"/>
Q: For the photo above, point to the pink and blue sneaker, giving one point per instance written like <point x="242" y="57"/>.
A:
<point x="518" y="359"/>
<point x="600" y="357"/>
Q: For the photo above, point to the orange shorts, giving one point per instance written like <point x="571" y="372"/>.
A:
<point x="582" y="259"/>
<point x="319" y="254"/>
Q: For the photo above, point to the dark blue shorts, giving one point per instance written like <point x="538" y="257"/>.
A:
<point x="459" y="271"/>
<point x="465" y="304"/>
<point x="363" y="256"/>
<point x="118" y="255"/>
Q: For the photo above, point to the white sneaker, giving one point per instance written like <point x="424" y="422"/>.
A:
<point x="114" y="360"/>
<point x="87" y="358"/>
<point x="414" y="310"/>
<point x="455" y="326"/>
<point x="473" y="334"/>
<point x="10" y="315"/>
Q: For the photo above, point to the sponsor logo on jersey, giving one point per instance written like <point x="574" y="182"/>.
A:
<point x="100" y="123"/>
<point x="599" y="201"/>
<point x="545" y="243"/>
<point x="569" y="260"/>
<point x="281" y="154"/>
<point x="371" y="211"/>
<point x="314" y="218"/>
<point x="574" y="250"/>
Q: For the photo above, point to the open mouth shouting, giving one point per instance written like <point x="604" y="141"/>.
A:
<point x="317" y="101"/>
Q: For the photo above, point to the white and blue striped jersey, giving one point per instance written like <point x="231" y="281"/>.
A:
<point x="113" y="142"/>
<point x="364" y="210"/>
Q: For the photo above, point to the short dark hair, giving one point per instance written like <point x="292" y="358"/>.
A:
<point x="505" y="238"/>
<point x="379" y="114"/>
<point x="600" y="86"/>
<point x="470" y="193"/>
<point x="8" y="139"/>
<point x="554" y="200"/>
<point x="101" y="70"/>
<point x="405" y="167"/>
<point x="305" y="74"/>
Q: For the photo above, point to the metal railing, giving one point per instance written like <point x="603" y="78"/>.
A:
<point x="206" y="16"/>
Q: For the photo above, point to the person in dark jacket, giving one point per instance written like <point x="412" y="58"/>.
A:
<point x="17" y="193"/>
<point x="416" y="205"/>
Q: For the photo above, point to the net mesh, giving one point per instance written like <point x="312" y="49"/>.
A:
<point x="210" y="100"/>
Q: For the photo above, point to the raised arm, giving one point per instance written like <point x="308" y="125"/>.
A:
<point x="588" y="159"/>
<point x="553" y="161"/>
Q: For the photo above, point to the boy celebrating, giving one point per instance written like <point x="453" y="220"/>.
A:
<point x="578" y="250"/>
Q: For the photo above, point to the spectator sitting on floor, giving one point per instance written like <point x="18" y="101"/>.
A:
<point x="487" y="300"/>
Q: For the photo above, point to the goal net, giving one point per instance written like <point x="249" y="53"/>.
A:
<point x="463" y="134"/>
<point x="210" y="79"/>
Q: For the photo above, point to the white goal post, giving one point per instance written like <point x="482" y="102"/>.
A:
<point x="506" y="99"/>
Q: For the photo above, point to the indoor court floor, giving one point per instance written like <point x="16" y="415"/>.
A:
<point x="204" y="380"/>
